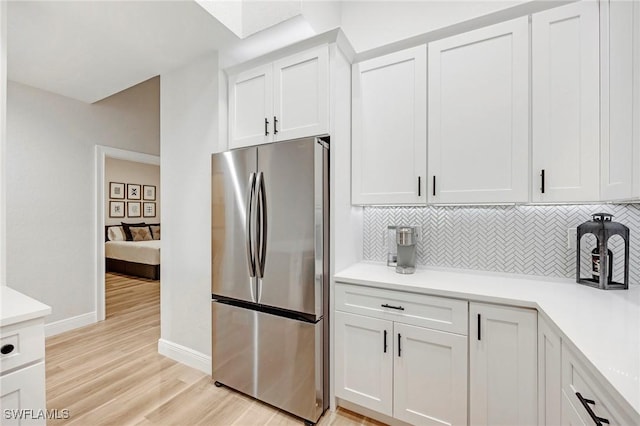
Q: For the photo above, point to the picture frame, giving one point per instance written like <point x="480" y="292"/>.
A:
<point x="133" y="209"/>
<point x="149" y="209"/>
<point x="116" y="190"/>
<point x="149" y="192"/>
<point x="116" y="208"/>
<point x="133" y="191"/>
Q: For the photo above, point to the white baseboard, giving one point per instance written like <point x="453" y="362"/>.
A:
<point x="185" y="355"/>
<point x="68" y="324"/>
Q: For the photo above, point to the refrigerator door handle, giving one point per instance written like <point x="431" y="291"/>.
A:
<point x="261" y="240"/>
<point x="248" y="222"/>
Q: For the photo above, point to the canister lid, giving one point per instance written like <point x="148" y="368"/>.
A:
<point x="405" y="236"/>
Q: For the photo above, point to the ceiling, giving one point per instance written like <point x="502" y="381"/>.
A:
<point x="89" y="50"/>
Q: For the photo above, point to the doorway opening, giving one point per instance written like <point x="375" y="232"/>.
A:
<point x="133" y="200"/>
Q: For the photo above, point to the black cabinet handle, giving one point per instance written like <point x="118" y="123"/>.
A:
<point x="266" y="127"/>
<point x="434" y="186"/>
<point x="542" y="181"/>
<point x="385" y="305"/>
<point x="585" y="403"/>
<point x="385" y="342"/>
<point x="419" y="186"/>
<point x="399" y="345"/>
<point x="275" y="125"/>
<point x="7" y="349"/>
<point x="479" y="328"/>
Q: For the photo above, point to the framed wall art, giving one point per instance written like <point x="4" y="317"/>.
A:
<point x="149" y="193"/>
<point x="133" y="191"/>
<point x="149" y="209"/>
<point x="116" y="208"/>
<point x="116" y="190"/>
<point x="133" y="209"/>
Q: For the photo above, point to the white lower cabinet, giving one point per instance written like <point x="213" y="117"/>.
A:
<point x="364" y="361"/>
<point x="502" y="365"/>
<point x="414" y="374"/>
<point x="429" y="376"/>
<point x="549" y="377"/>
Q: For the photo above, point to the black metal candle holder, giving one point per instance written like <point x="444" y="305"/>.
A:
<point x="603" y="228"/>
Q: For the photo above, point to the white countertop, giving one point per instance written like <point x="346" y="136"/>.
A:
<point x="16" y="307"/>
<point x="603" y="325"/>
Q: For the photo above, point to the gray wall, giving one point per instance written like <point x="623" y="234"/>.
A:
<point x="51" y="194"/>
<point x="518" y="239"/>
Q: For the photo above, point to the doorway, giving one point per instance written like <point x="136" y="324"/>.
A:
<point x="102" y="154"/>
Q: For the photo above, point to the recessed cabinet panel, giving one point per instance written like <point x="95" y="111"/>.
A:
<point x="502" y="365"/>
<point x="389" y="129"/>
<point x="301" y="85"/>
<point x="430" y="376"/>
<point x="566" y="107"/>
<point x="616" y="18"/>
<point x="250" y="103"/>
<point x="363" y="363"/>
<point x="549" y="377"/>
<point x="23" y="389"/>
<point x="479" y="115"/>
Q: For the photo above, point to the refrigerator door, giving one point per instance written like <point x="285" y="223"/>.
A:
<point x="233" y="199"/>
<point x="291" y="178"/>
<point x="275" y="359"/>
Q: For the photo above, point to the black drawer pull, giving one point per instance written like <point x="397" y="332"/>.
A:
<point x="7" y="349"/>
<point x="386" y="305"/>
<point x="585" y="403"/>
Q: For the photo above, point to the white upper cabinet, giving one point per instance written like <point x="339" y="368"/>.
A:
<point x="250" y="107"/>
<point x="283" y="100"/>
<point x="389" y="150"/>
<point x="479" y="115"/>
<point x="620" y="106"/>
<point x="301" y="95"/>
<point x="502" y="365"/>
<point x="566" y="103"/>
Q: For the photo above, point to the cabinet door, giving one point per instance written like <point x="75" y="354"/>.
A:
<point x="617" y="136"/>
<point x="20" y="391"/>
<point x="301" y="95"/>
<point x="430" y="376"/>
<point x="566" y="109"/>
<point x="479" y="115"/>
<point x="502" y="365"/>
<point x="389" y="150"/>
<point x="251" y="107"/>
<point x="364" y="361"/>
<point x="570" y="416"/>
<point x="549" y="374"/>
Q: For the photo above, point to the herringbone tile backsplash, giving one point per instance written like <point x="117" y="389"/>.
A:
<point x="518" y="239"/>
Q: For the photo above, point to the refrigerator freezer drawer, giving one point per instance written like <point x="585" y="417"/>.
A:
<point x="275" y="359"/>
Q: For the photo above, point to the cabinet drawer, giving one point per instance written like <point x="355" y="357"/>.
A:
<point x="576" y="378"/>
<point x="438" y="313"/>
<point x="22" y="342"/>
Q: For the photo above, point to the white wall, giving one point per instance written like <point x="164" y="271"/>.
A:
<point x="370" y="24"/>
<point x="189" y="134"/>
<point x="50" y="208"/>
<point x="131" y="172"/>
<point x="3" y="109"/>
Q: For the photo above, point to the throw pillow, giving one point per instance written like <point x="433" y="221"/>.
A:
<point x="155" y="231"/>
<point x="126" y="226"/>
<point x="116" y="233"/>
<point x="140" y="233"/>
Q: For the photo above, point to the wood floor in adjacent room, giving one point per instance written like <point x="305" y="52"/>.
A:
<point x="110" y="373"/>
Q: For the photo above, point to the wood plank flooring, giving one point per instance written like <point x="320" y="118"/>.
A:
<point x="110" y="373"/>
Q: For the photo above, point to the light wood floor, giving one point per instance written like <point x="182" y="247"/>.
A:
<point x="110" y="373"/>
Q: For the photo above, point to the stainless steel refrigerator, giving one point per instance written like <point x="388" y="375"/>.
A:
<point x="270" y="271"/>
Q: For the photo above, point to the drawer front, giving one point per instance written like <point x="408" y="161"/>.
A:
<point x="438" y="313"/>
<point x="22" y="396"/>
<point x="576" y="378"/>
<point x="21" y="344"/>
